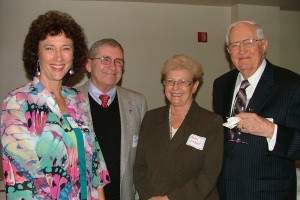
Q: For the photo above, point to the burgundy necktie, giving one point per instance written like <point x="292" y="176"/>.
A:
<point x="104" y="100"/>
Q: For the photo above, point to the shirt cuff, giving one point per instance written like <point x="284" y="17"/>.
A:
<point x="272" y="141"/>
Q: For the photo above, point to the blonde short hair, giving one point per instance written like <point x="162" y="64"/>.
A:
<point x="181" y="61"/>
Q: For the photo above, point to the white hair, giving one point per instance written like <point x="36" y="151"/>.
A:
<point x="259" y="30"/>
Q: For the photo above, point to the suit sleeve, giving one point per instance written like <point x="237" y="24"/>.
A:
<point x="288" y="133"/>
<point x="205" y="181"/>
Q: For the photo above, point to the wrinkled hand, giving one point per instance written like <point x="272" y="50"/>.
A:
<point x="253" y="124"/>
<point x="159" y="198"/>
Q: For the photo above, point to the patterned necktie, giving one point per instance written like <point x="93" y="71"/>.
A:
<point x="241" y="98"/>
<point x="239" y="106"/>
<point x="104" y="100"/>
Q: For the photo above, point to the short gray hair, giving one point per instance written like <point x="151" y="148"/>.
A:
<point x="104" y="42"/>
<point x="259" y="30"/>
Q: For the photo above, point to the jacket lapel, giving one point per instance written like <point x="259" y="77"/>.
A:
<point x="125" y="108"/>
<point x="228" y="95"/>
<point x="164" y="127"/>
<point x="263" y="91"/>
<point x="185" y="128"/>
<point x="84" y="90"/>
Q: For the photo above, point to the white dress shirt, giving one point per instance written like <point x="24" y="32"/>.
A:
<point x="253" y="80"/>
<point x="95" y="93"/>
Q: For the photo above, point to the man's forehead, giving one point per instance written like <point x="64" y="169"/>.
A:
<point x="245" y="31"/>
<point x="243" y="28"/>
<point x="108" y="49"/>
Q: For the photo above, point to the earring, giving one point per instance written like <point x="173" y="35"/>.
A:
<point x="71" y="71"/>
<point x="38" y="73"/>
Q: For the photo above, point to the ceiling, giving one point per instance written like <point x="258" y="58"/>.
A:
<point x="293" y="5"/>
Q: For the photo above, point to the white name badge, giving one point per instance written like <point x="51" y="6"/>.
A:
<point x="196" y="141"/>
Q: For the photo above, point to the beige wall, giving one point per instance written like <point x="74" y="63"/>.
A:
<point x="268" y="18"/>
<point x="281" y="28"/>
<point x="150" y="33"/>
<point x="290" y="40"/>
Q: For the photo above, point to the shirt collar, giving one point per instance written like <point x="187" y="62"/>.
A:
<point x="95" y="92"/>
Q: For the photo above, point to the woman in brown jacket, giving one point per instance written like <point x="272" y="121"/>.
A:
<point x="179" y="153"/>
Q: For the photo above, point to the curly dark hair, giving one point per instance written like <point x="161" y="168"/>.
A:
<point x="54" y="23"/>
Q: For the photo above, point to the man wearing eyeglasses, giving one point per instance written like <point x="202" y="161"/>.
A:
<point x="264" y="100"/>
<point x="116" y="113"/>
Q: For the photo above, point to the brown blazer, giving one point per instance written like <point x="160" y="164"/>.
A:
<point x="173" y="168"/>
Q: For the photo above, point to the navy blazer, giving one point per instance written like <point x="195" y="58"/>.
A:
<point x="250" y="171"/>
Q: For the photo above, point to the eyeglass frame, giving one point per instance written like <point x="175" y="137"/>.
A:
<point x="110" y="60"/>
<point x="179" y="83"/>
<point x="238" y="44"/>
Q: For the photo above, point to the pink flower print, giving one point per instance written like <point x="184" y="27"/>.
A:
<point x="73" y="172"/>
<point x="36" y="118"/>
<point x="20" y="96"/>
<point x="57" y="181"/>
<point x="104" y="176"/>
<point x="42" y="185"/>
<point x="72" y="112"/>
<point x="40" y="122"/>
<point x="80" y="97"/>
<point x="10" y="171"/>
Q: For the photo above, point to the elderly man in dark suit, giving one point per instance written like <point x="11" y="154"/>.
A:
<point x="260" y="151"/>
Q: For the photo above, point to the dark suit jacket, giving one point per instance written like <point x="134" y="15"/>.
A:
<point x="250" y="171"/>
<point x="171" y="167"/>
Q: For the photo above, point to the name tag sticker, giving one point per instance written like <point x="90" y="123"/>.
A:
<point x="72" y="122"/>
<point x="196" y="141"/>
<point x="135" y="140"/>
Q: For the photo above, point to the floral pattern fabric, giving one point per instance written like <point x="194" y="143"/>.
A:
<point x="39" y="147"/>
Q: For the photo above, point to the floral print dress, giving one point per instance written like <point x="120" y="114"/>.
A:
<point x="39" y="146"/>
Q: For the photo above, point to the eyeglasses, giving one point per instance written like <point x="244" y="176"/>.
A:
<point x="106" y="60"/>
<point x="180" y="83"/>
<point x="247" y="44"/>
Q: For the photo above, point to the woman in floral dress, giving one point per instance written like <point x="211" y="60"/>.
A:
<point x="48" y="145"/>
